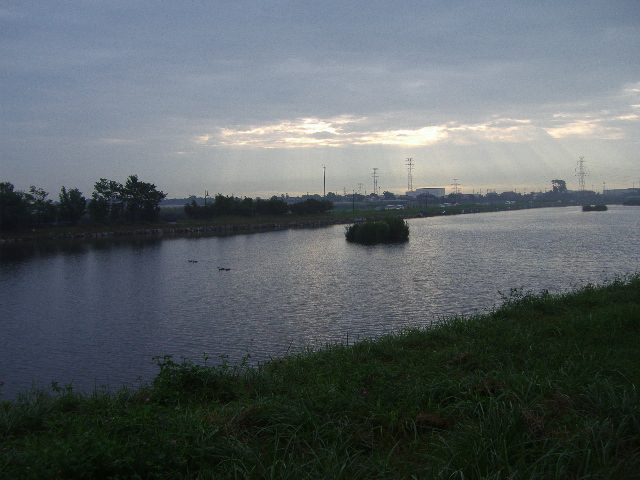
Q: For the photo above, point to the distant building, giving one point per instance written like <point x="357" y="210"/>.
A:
<point x="436" y="192"/>
<point x="621" y="192"/>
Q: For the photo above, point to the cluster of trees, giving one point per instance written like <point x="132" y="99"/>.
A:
<point x="225" y="205"/>
<point x="111" y="201"/>
<point x="229" y="205"/>
<point x="33" y="208"/>
<point x="311" y="205"/>
<point x="135" y="201"/>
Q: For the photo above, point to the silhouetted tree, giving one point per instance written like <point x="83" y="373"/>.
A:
<point x="245" y="207"/>
<point x="388" y="195"/>
<point x="134" y="201"/>
<point x="14" y="207"/>
<point x="105" y="204"/>
<point x="273" y="206"/>
<point x="72" y="206"/>
<point x="310" y="206"/>
<point x="141" y="200"/>
<point x="43" y="210"/>
<point x="559" y="186"/>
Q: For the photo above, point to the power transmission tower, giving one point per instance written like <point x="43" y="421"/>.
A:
<point x="324" y="181"/>
<point x="456" y="190"/>
<point x="410" y="176"/>
<point x="581" y="174"/>
<point x="375" y="180"/>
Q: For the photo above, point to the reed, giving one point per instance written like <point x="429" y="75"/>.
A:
<point x="385" y="230"/>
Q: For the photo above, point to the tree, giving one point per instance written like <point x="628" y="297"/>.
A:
<point x="388" y="195"/>
<point x="223" y="205"/>
<point x="105" y="204"/>
<point x="246" y="207"/>
<point x="333" y="197"/>
<point x="192" y="209"/>
<point x="559" y="186"/>
<point x="43" y="210"/>
<point x="72" y="206"/>
<point x="134" y="201"/>
<point x="141" y="200"/>
<point x="311" y="205"/>
<point x="273" y="206"/>
<point x="14" y="207"/>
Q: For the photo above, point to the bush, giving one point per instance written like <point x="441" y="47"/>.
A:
<point x="388" y="230"/>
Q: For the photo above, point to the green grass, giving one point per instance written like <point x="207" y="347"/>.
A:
<point x="544" y="387"/>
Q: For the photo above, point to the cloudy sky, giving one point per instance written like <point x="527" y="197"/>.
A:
<point x="252" y="98"/>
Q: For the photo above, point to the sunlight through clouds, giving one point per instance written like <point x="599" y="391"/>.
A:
<point x="311" y="132"/>
<point x="603" y="126"/>
<point x="224" y="95"/>
<point x="350" y="131"/>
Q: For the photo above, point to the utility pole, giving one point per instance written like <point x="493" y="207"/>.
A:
<point x="375" y="180"/>
<point x="409" y="176"/>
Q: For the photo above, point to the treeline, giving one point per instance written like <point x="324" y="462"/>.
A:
<point x="133" y="201"/>
<point x="248" y="207"/>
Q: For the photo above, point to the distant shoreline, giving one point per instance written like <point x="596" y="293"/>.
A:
<point x="242" y="225"/>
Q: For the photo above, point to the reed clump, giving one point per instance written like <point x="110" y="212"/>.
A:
<point x="545" y="386"/>
<point x="385" y="230"/>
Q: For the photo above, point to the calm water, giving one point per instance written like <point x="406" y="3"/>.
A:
<point x="96" y="313"/>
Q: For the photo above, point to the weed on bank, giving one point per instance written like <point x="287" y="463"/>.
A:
<point x="543" y="387"/>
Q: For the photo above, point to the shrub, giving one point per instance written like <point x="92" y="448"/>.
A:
<point x="387" y="230"/>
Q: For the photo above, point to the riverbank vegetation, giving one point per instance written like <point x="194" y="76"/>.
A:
<point x="111" y="202"/>
<point x="371" y="232"/>
<point x="543" y="387"/>
<point x="134" y="206"/>
<point x="269" y="215"/>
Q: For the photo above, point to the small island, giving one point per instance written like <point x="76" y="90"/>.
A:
<point x="371" y="232"/>
<point x="594" y="208"/>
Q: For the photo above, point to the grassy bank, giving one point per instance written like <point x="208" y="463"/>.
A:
<point x="544" y="387"/>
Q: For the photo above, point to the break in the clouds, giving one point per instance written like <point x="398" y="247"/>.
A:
<point x="252" y="97"/>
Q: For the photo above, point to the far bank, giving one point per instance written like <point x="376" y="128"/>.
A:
<point x="174" y="222"/>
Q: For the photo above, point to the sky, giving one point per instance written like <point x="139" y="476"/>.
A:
<point x="260" y="98"/>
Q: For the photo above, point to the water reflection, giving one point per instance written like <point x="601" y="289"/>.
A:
<point x="97" y="312"/>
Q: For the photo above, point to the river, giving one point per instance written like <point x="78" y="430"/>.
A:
<point x="95" y="313"/>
